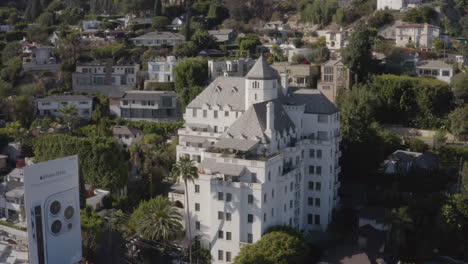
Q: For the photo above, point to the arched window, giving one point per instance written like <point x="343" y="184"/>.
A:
<point x="255" y="84"/>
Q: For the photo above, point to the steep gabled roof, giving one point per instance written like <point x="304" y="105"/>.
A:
<point x="222" y="91"/>
<point x="252" y="124"/>
<point x="315" y="102"/>
<point x="262" y="70"/>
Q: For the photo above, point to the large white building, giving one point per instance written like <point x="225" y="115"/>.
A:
<point x="266" y="156"/>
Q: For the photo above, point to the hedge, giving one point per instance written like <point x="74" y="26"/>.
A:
<point x="159" y="86"/>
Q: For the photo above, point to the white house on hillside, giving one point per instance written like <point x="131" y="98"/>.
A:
<point x="162" y="69"/>
<point x="126" y="135"/>
<point x="439" y="69"/>
<point x="266" y="156"/>
<point x="417" y="35"/>
<point x="51" y="105"/>
<point x="396" y="4"/>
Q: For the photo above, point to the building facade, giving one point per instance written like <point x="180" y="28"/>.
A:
<point x="334" y="76"/>
<point x="439" y="69"/>
<point x="162" y="69"/>
<point x="108" y="73"/>
<point x="396" y="4"/>
<point x="51" y="105"/>
<point x="159" y="106"/>
<point x="299" y="75"/>
<point x="336" y="40"/>
<point x="416" y="35"/>
<point x="266" y="156"/>
<point x="239" y="67"/>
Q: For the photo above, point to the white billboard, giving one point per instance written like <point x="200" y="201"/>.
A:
<point x="52" y="204"/>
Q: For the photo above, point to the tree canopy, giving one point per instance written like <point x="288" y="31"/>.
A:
<point x="277" y="247"/>
<point x="357" y="55"/>
<point x="191" y="75"/>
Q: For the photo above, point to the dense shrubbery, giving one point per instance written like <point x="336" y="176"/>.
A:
<point x="102" y="163"/>
<point x="159" y="86"/>
<point x="380" y="18"/>
<point x="414" y="101"/>
<point x="419" y="15"/>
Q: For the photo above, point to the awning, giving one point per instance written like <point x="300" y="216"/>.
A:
<point x="236" y="143"/>
<point x="192" y="139"/>
<point x="222" y="168"/>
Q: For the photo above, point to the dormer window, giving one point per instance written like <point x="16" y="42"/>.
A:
<point x="234" y="89"/>
<point x="218" y="89"/>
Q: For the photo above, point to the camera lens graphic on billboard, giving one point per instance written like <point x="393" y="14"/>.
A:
<point x="53" y="211"/>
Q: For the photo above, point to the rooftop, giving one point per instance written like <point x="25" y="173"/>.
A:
<point x="61" y="98"/>
<point x="315" y="102"/>
<point x="125" y="130"/>
<point x="434" y="64"/>
<point x="417" y="26"/>
<point x="160" y="35"/>
<point x="262" y="70"/>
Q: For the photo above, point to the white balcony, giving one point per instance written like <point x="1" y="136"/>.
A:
<point x="186" y="132"/>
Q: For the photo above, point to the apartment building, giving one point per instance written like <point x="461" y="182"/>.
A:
<point x="156" y="106"/>
<point x="51" y="105"/>
<point x="105" y="74"/>
<point x="162" y="69"/>
<point x="334" y="76"/>
<point x="266" y="156"/>
<point x="239" y="67"/>
<point x="437" y="68"/>
<point x="416" y="35"/>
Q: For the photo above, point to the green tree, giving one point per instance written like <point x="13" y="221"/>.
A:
<point x="11" y="71"/>
<point x="417" y="145"/>
<point x="6" y="89"/>
<point x="277" y="247"/>
<point x="33" y="9"/>
<point x="460" y="85"/>
<point x="46" y="19"/>
<point x="203" y="40"/>
<point x="157" y="7"/>
<point x="458" y="121"/>
<point x="160" y="22"/>
<point x="357" y="55"/>
<point x="185" y="49"/>
<point x="33" y="90"/>
<point x="190" y="74"/>
<point x="419" y="15"/>
<point x="10" y="51"/>
<point x="69" y="116"/>
<point x="91" y="230"/>
<point x="186" y="171"/>
<point x="21" y="108"/>
<point x="319" y="11"/>
<point x="157" y="219"/>
<point x="380" y="18"/>
<point x="248" y="43"/>
<point x="102" y="163"/>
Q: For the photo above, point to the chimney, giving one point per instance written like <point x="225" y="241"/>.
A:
<point x="270" y="117"/>
<point x="284" y="83"/>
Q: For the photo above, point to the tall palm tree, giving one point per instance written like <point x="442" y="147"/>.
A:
<point x="185" y="170"/>
<point x="159" y="219"/>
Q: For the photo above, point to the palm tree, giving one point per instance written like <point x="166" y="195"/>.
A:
<point x="158" y="219"/>
<point x="185" y="170"/>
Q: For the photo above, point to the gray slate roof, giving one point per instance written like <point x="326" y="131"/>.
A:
<point x="222" y="168"/>
<point x="160" y="35"/>
<point x="252" y="123"/>
<point x="315" y="102"/>
<point x="262" y="70"/>
<point x="61" y="98"/>
<point x="438" y="64"/>
<point x="236" y="143"/>
<point x="222" y="92"/>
